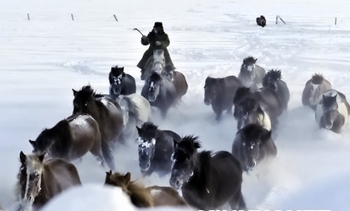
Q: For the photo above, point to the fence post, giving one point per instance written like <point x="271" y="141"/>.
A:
<point x="115" y="17"/>
<point x="28" y="16"/>
<point x="335" y="21"/>
<point x="72" y="16"/>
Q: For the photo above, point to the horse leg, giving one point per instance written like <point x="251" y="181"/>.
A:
<point x="237" y="202"/>
<point x="108" y="156"/>
<point x="229" y="110"/>
<point x="218" y="115"/>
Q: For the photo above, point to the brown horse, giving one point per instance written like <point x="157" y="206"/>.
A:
<point x="180" y="83"/>
<point x="141" y="196"/>
<point x="70" y="139"/>
<point x="108" y="114"/>
<point x="39" y="181"/>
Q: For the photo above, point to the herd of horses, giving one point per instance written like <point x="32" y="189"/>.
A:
<point x="207" y="180"/>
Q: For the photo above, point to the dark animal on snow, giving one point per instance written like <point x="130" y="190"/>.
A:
<point x="332" y="111"/>
<point x="39" y="181"/>
<point x="261" y="21"/>
<point x="268" y="100"/>
<point x="273" y="80"/>
<point x="207" y="181"/>
<point x="249" y="111"/>
<point x="70" y="139"/>
<point x="313" y="89"/>
<point x="120" y="83"/>
<point x="219" y="92"/>
<point x="155" y="148"/>
<point x="160" y="92"/>
<point x="108" y="114"/>
<point x="251" y="75"/>
<point x="252" y="145"/>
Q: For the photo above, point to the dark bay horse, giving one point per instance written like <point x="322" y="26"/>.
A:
<point x="39" y="181"/>
<point x="219" y="92"/>
<point x="160" y="92"/>
<point x="141" y="196"/>
<point x="332" y="111"/>
<point x="108" y="114"/>
<point x="268" y="99"/>
<point x="120" y="83"/>
<point x="207" y="181"/>
<point x="252" y="145"/>
<point x="70" y="139"/>
<point x="273" y="80"/>
<point x="155" y="148"/>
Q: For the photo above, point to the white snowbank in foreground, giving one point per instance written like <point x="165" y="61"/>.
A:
<point x="329" y="194"/>
<point x="96" y="197"/>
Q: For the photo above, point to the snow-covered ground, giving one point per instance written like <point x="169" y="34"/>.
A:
<point x="42" y="59"/>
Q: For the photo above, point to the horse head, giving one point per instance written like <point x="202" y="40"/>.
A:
<point x="30" y="176"/>
<point x="184" y="160"/>
<point x="154" y="84"/>
<point x="252" y="136"/>
<point x="210" y="90"/>
<point x="330" y="109"/>
<point x="83" y="100"/>
<point x="271" y="78"/>
<point x="146" y="144"/>
<point x="115" y="79"/>
<point x="248" y="111"/>
<point x="248" y="64"/>
<point x="42" y="143"/>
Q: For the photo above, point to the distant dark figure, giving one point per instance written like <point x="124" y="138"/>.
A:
<point x="261" y="21"/>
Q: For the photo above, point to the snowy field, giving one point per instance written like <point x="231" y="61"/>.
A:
<point x="43" y="58"/>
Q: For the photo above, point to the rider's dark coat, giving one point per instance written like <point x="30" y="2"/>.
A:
<point x="151" y="39"/>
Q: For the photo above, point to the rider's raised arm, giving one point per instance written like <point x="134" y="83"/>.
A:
<point x="145" y="40"/>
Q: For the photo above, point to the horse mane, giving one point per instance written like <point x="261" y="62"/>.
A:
<point x="63" y="140"/>
<point x="274" y="75"/>
<point x="317" y="78"/>
<point x="138" y="194"/>
<point x="328" y="101"/>
<point x="240" y="94"/>
<point x="249" y="60"/>
<point x="250" y="132"/>
<point x="149" y="126"/>
<point x="190" y="142"/>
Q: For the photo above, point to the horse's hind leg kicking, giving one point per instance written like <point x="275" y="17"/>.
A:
<point x="108" y="156"/>
<point x="237" y="202"/>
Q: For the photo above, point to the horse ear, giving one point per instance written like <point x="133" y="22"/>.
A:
<point x="196" y="144"/>
<point x="139" y="130"/>
<point x="74" y="92"/>
<point x="32" y="142"/>
<point x="41" y="157"/>
<point x="22" y="157"/>
<point x="255" y="59"/>
<point x="174" y="143"/>
<point x="127" y="177"/>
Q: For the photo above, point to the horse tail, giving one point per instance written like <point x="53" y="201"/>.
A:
<point x="241" y="203"/>
<point x="133" y="109"/>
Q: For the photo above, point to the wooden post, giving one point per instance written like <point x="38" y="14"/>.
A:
<point x="335" y="22"/>
<point x="28" y="16"/>
<point x="72" y="16"/>
<point x="276" y="19"/>
<point x="115" y="17"/>
<point x="281" y="19"/>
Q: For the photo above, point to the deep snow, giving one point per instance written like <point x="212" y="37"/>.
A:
<point x="44" y="58"/>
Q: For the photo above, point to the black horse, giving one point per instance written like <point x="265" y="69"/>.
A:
<point x="273" y="80"/>
<point x="268" y="99"/>
<point x="261" y="21"/>
<point x="120" y="83"/>
<point x="155" y="148"/>
<point x="219" y="92"/>
<point x="252" y="145"/>
<point x="160" y="92"/>
<point x="207" y="181"/>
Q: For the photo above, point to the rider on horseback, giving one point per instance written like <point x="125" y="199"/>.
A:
<point x="157" y="39"/>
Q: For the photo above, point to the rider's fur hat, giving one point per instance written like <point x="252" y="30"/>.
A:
<point x="158" y="24"/>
